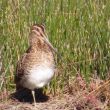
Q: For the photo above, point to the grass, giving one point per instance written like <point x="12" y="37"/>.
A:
<point x="79" y="29"/>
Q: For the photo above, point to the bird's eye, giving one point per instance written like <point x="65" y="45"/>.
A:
<point x="37" y="29"/>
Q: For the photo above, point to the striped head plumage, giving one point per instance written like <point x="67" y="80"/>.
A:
<point x="39" y="37"/>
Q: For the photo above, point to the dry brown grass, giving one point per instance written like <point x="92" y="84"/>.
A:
<point x="77" y="95"/>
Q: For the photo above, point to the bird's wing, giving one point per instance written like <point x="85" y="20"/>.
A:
<point x="19" y="68"/>
<point x="20" y="63"/>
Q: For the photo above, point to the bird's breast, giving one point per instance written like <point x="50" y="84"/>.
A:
<point x="38" y="76"/>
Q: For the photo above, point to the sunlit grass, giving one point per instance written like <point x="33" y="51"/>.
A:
<point x="78" y="29"/>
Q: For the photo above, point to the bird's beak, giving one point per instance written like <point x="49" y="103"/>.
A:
<point x="49" y="44"/>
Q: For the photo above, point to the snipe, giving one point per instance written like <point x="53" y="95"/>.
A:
<point x="36" y="67"/>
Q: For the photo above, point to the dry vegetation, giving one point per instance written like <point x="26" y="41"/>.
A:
<point x="80" y="30"/>
<point x="78" y="95"/>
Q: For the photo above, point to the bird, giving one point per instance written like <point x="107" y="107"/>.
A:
<point x="36" y="67"/>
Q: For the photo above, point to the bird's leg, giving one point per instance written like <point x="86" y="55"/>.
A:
<point x="33" y="94"/>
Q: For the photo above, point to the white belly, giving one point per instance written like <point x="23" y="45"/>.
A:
<point x="38" y="77"/>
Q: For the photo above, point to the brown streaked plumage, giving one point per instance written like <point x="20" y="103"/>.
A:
<point x="36" y="67"/>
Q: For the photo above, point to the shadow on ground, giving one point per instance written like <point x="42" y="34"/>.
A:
<point x="25" y="95"/>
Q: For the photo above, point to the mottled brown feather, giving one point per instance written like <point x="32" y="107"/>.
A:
<point x="37" y="53"/>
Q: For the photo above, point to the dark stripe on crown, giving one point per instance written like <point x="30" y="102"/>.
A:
<point x="40" y="26"/>
<point x="36" y="28"/>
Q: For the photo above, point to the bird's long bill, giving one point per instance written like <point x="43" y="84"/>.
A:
<point x="49" y="44"/>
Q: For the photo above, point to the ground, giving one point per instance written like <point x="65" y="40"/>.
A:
<point x="54" y="103"/>
<point x="78" y="95"/>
